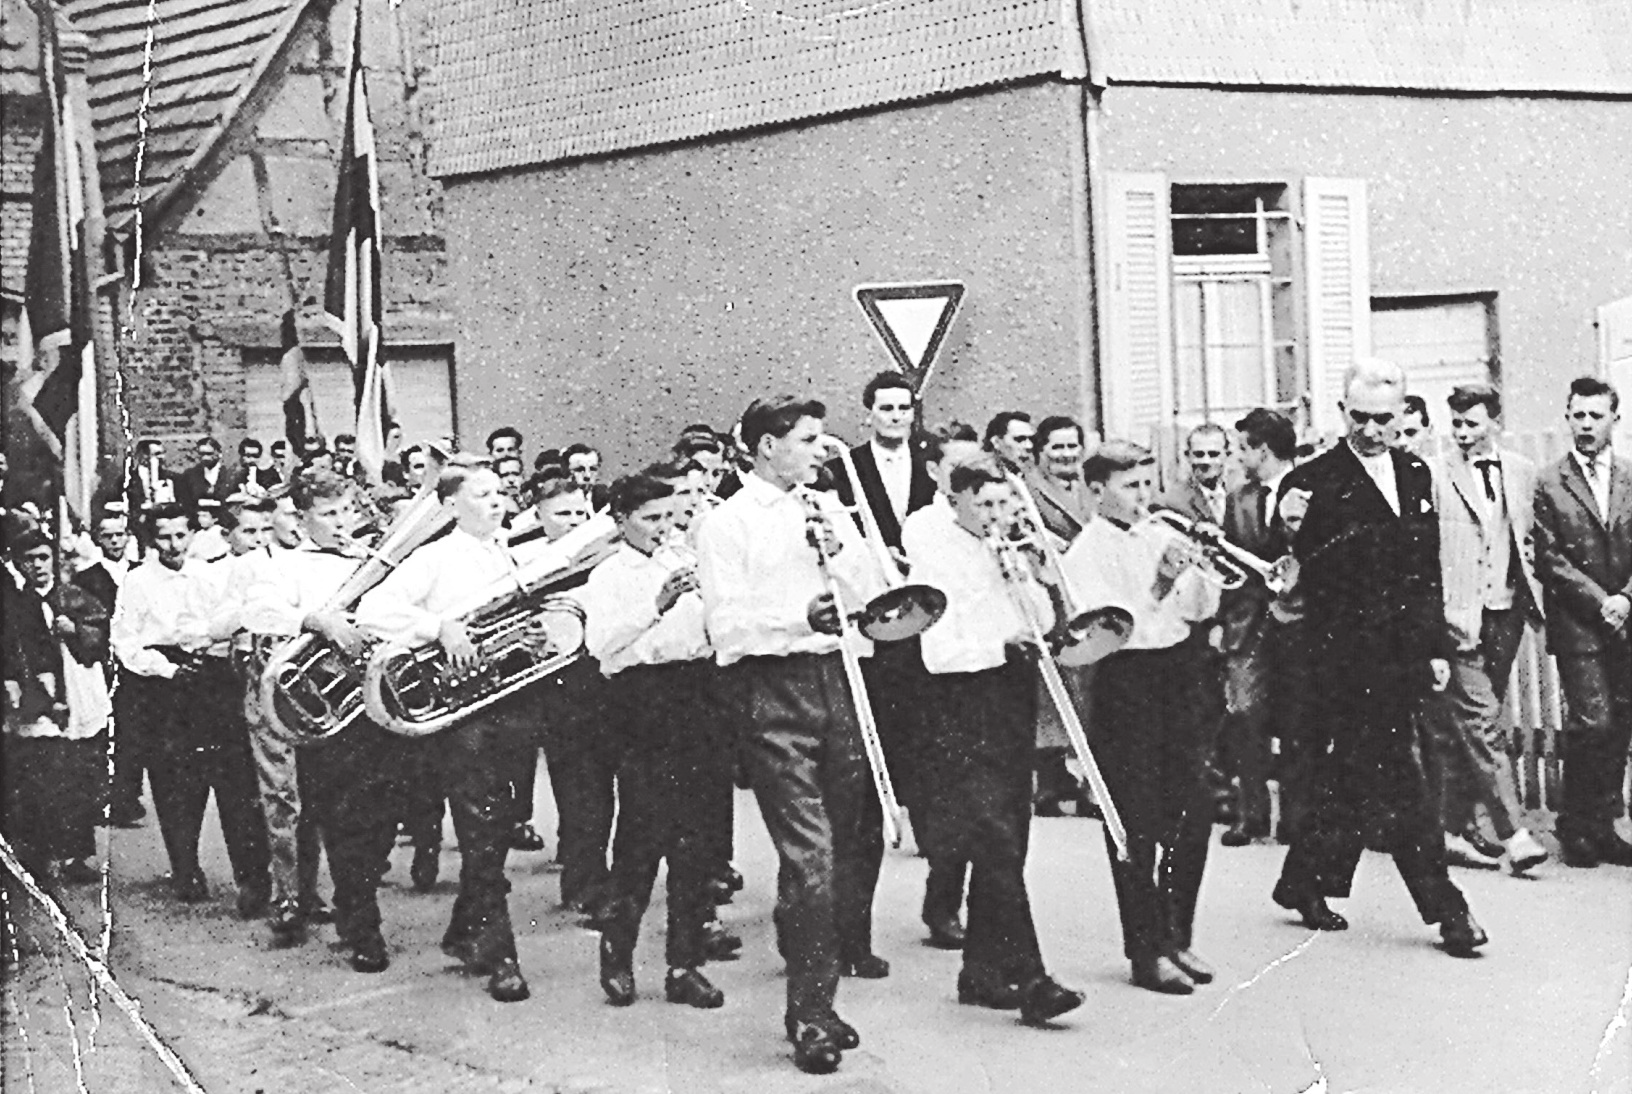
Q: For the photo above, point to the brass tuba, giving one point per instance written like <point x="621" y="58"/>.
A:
<point x="524" y="628"/>
<point x="310" y="690"/>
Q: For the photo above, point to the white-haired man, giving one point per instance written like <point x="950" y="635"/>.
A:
<point x="1366" y="536"/>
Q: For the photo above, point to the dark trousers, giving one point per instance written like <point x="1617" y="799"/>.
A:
<point x="129" y="749"/>
<point x="1151" y="743"/>
<point x="53" y="790"/>
<point x="809" y="773"/>
<point x="357" y="786"/>
<point x="198" y="742"/>
<point x="472" y="757"/>
<point x="1597" y="730"/>
<point x="661" y="713"/>
<point x="975" y="801"/>
<point x="583" y="766"/>
<point x="1471" y="772"/>
<point x="1369" y="787"/>
<point x="1265" y="689"/>
<point x="423" y="800"/>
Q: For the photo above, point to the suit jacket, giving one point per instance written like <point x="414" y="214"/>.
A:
<point x="1465" y="528"/>
<point x="1580" y="558"/>
<point x="1063" y="514"/>
<point x="920" y="492"/>
<point x="192" y="486"/>
<point x="137" y="490"/>
<point x="1374" y="606"/>
<point x="96" y="580"/>
<point x="1249" y="523"/>
<point x="1186" y="499"/>
<point x="31" y="647"/>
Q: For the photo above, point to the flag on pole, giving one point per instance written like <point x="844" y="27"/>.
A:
<point x="351" y="297"/>
<point x="61" y="387"/>
<point x="299" y="409"/>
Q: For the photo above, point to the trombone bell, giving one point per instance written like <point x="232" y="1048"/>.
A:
<point x="1095" y="635"/>
<point x="901" y="612"/>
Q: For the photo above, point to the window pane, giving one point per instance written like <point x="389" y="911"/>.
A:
<point x="1188" y="364"/>
<point x="1236" y="343"/>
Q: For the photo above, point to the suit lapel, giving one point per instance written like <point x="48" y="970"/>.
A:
<point x="1575" y="481"/>
<point x="872" y="493"/>
<point x="922" y="491"/>
<point x="1463" y="476"/>
<point x="1364" y="488"/>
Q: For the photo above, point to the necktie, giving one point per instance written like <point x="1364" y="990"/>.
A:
<point x="1488" y="468"/>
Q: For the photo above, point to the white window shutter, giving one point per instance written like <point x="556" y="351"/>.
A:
<point x="1136" y="373"/>
<point x="1337" y="285"/>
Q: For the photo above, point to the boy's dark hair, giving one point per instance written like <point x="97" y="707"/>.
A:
<point x="630" y="492"/>
<point x="1590" y="387"/>
<point x="975" y="474"/>
<point x="578" y="448"/>
<point x="1464" y="397"/>
<point x="1416" y="404"/>
<point x="239" y="504"/>
<point x="999" y="425"/>
<point x="456" y="471"/>
<point x="170" y="510"/>
<point x="934" y="442"/>
<point x="311" y="485"/>
<point x="776" y="417"/>
<point x="1270" y="429"/>
<point x="504" y="431"/>
<point x="1114" y="456"/>
<point x="1050" y="426"/>
<point x="889" y="380"/>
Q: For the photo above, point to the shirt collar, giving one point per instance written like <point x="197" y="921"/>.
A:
<point x="761" y="491"/>
<point x="1599" y="461"/>
<point x="890" y="455"/>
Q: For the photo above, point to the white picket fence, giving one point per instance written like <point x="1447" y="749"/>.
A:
<point x="1534" y="710"/>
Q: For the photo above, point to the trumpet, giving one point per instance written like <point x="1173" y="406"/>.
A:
<point x="1223" y="563"/>
<point x="872" y="744"/>
<point x="310" y="690"/>
<point x="1011" y="557"/>
<point x="524" y="629"/>
<point x="904" y="609"/>
<point x="1089" y="636"/>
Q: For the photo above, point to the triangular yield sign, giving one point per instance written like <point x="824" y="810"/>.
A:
<point x="911" y="319"/>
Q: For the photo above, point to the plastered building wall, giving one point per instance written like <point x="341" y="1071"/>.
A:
<point x="1528" y="197"/>
<point x="619" y="299"/>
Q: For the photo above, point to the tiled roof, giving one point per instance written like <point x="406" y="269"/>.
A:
<point x="1535" y="46"/>
<point x="516" y="82"/>
<point x="206" y="56"/>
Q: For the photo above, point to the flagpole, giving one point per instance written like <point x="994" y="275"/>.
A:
<point x="280" y="242"/>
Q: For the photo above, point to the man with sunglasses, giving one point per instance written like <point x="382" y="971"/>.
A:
<point x="1366" y="536"/>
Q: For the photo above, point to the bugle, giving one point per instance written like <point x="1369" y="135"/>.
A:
<point x="904" y="609"/>
<point x="1011" y="557"/>
<point x="1224" y="564"/>
<point x="524" y="629"/>
<point x="872" y="744"/>
<point x="310" y="689"/>
<point x="1088" y="636"/>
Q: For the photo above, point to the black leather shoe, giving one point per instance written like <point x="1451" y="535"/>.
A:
<point x="1316" y="914"/>
<point x="945" y="932"/>
<point x="524" y="837"/>
<point x="617" y="974"/>
<point x="288" y="925"/>
<point x="463" y="951"/>
<point x="369" y="955"/>
<point x="1161" y="975"/>
<point x="868" y="966"/>
<point x="1614" y="850"/>
<point x="1579" y="851"/>
<point x="981" y="988"/>
<point x="1192" y="966"/>
<point x="507" y="985"/>
<point x="719" y="943"/>
<point x="815" y="1051"/>
<point x="254" y="899"/>
<point x="1460" y="935"/>
<point x="427" y="865"/>
<point x="313" y="910"/>
<point x="1043" y="998"/>
<point x="692" y="988"/>
<point x="192" y="889"/>
<point x="843" y="1033"/>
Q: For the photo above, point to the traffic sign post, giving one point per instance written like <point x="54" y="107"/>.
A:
<point x="911" y="319"/>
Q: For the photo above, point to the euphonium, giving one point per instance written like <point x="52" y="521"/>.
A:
<point x="310" y="690"/>
<point x="524" y="629"/>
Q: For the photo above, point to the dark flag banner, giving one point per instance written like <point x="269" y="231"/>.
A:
<point x="351" y="297"/>
<point x="299" y="409"/>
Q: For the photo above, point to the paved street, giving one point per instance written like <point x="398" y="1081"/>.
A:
<point x="1377" y="1009"/>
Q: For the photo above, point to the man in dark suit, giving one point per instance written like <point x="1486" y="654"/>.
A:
<point x="1264" y="672"/>
<point x="895" y="481"/>
<point x="1367" y="544"/>
<point x="1584" y="559"/>
<point x="150" y="483"/>
<point x="208" y="478"/>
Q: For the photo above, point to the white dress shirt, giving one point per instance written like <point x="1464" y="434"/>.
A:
<point x="1216" y="498"/>
<point x="759" y="573"/>
<point x="209" y="545"/>
<point x="895" y="471"/>
<point x="149" y="613"/>
<point x="623" y="627"/>
<point x="293" y="584"/>
<point x="981" y="615"/>
<point x="214" y="612"/>
<point x="1109" y="566"/>
<point x="1597" y="470"/>
<point x="438" y="582"/>
<point x="1381" y="470"/>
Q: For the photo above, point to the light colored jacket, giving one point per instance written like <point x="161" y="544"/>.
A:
<point x="1464" y="530"/>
